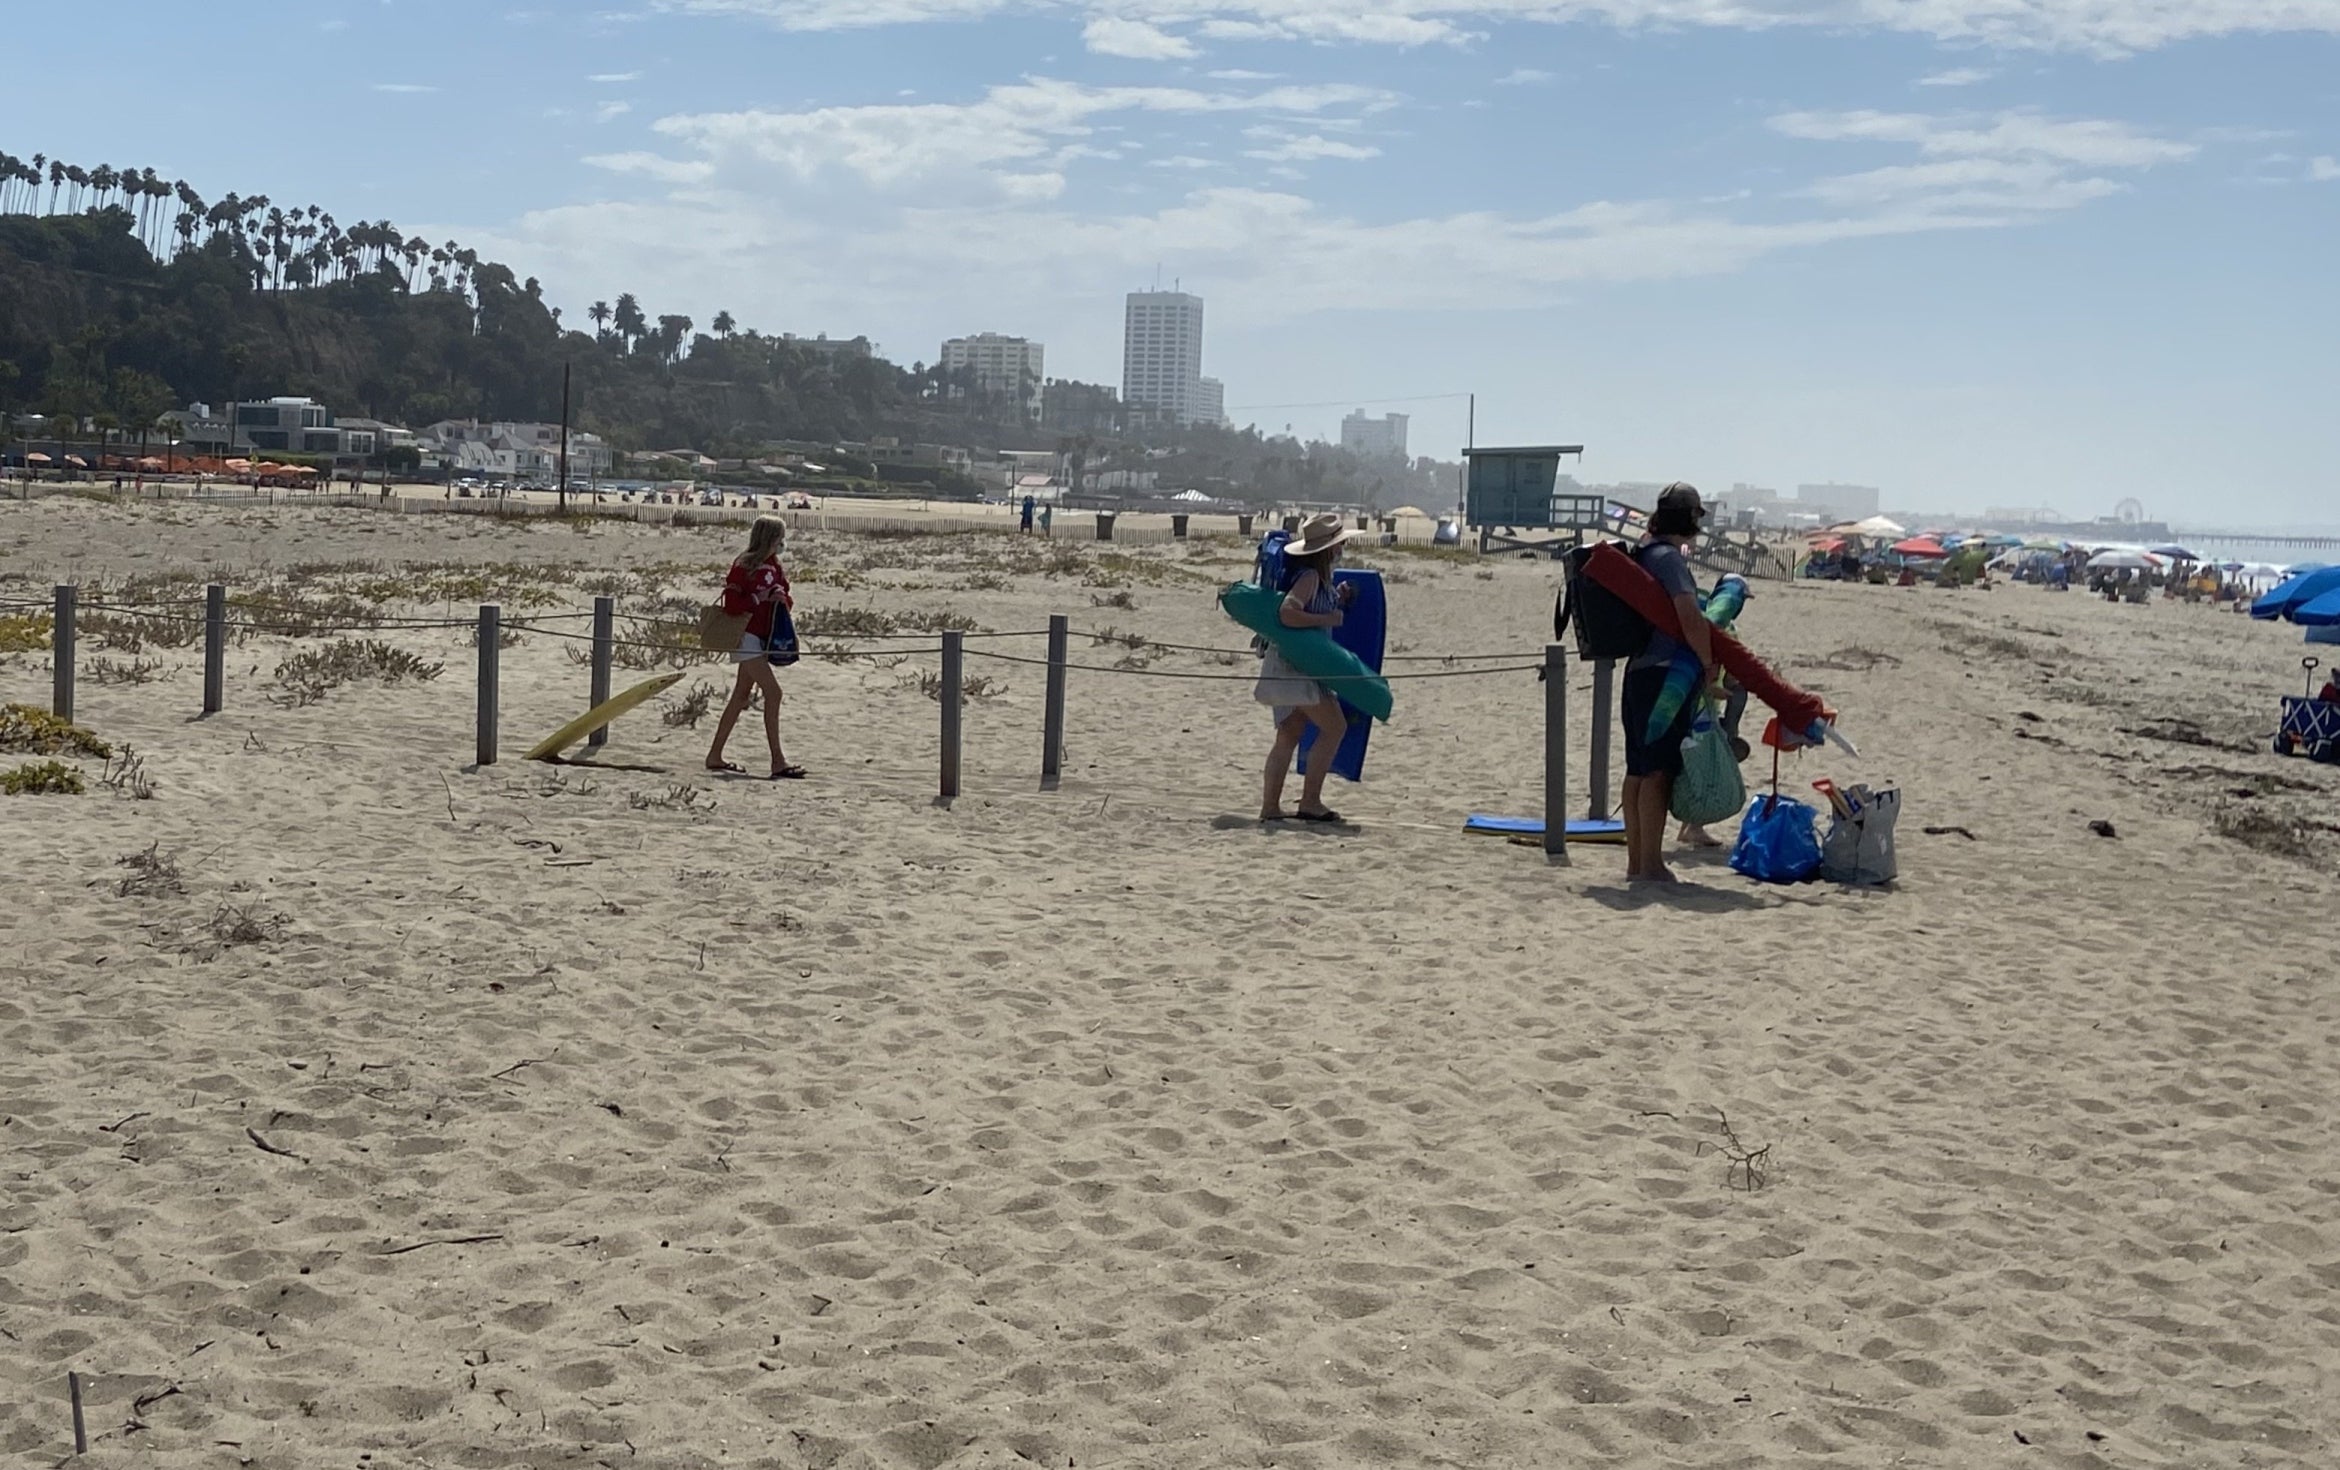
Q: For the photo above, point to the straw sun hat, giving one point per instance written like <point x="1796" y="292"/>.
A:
<point x="1317" y="533"/>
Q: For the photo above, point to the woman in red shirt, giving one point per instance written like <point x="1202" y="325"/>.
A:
<point x="757" y="586"/>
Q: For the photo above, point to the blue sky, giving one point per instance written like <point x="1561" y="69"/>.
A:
<point x="1978" y="252"/>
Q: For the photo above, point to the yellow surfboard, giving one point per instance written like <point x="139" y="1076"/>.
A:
<point x="601" y="714"/>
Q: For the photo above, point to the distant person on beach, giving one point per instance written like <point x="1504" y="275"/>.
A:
<point x="1030" y="505"/>
<point x="1310" y="601"/>
<point x="1652" y="765"/>
<point x="757" y="586"/>
<point x="1047" y="516"/>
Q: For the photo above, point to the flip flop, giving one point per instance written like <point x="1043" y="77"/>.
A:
<point x="788" y="773"/>
<point x="1327" y="815"/>
<point x="727" y="769"/>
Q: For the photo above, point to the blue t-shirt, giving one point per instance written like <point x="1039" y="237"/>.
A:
<point x="1664" y="561"/>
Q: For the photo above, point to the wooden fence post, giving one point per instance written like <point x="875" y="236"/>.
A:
<point x="1052" y="722"/>
<point x="1604" y="685"/>
<point x="604" y="647"/>
<point x="953" y="691"/>
<point x="1556" y="751"/>
<point x="214" y="648"/>
<point x="61" y="643"/>
<point x="491" y="637"/>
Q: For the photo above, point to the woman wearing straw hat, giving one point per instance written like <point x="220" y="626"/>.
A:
<point x="1310" y="601"/>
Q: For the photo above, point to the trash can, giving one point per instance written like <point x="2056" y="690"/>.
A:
<point x="1178" y="527"/>
<point x="1105" y="525"/>
<point x="1362" y="524"/>
<point x="1243" y="524"/>
<point x="1291" y="523"/>
<point x="1388" y="523"/>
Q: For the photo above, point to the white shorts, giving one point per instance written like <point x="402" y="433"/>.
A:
<point x="750" y="649"/>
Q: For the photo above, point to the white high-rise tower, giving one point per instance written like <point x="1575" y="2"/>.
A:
<point x="1161" y="356"/>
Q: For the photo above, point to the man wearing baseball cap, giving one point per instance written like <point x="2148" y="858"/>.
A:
<point x="1652" y="765"/>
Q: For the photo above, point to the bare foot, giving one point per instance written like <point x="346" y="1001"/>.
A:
<point x="1696" y="835"/>
<point x="1660" y="875"/>
<point x="1273" y="814"/>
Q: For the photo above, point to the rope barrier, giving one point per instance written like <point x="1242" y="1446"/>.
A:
<point x="1103" y="635"/>
<point x="1010" y="658"/>
<point x="695" y="651"/>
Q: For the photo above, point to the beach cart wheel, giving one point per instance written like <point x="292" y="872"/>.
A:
<point x="2282" y="744"/>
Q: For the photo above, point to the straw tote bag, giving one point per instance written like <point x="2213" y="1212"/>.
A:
<point x="719" y="631"/>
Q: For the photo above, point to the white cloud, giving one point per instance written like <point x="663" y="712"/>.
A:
<point x="2107" y="27"/>
<point x="610" y="111"/>
<point x="2323" y="169"/>
<point x="1960" y="76"/>
<point x="1238" y="74"/>
<point x="1523" y="76"/>
<point x="403" y="89"/>
<point x="1139" y="40"/>
<point x="1182" y="160"/>
<point x="2003" y="166"/>
<point x="611" y="78"/>
<point x="1306" y="148"/>
<point x="2087" y="142"/>
<point x="1013" y="141"/>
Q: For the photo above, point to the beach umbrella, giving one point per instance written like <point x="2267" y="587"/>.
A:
<point x="2174" y="552"/>
<point x="77" y="461"/>
<point x="150" y="463"/>
<point x="1920" y="546"/>
<point x="2320" y="611"/>
<point x="2046" y="543"/>
<point x="2294" y="590"/>
<point x="38" y="459"/>
<point x="1880" y="526"/>
<point x="1410" y="513"/>
<point x="2122" y="561"/>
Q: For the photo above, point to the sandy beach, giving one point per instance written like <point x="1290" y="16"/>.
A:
<point x="620" y="1114"/>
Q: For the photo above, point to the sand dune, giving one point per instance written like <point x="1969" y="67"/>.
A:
<point x="820" y="1124"/>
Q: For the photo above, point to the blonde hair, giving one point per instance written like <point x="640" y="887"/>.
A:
<point x="766" y="536"/>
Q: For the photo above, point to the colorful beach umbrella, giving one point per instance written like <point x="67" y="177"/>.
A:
<point x="1920" y="546"/>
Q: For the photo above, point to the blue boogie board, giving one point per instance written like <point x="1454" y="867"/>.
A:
<point x="1363" y="631"/>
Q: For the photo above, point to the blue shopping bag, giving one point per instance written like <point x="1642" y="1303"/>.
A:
<point x="1779" y="841"/>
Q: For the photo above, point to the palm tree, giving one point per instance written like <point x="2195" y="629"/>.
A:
<point x="599" y="311"/>
<point x="631" y="327"/>
<point x="724" y="325"/>
<point x="56" y="184"/>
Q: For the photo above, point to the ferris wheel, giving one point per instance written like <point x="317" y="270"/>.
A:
<point x="2129" y="512"/>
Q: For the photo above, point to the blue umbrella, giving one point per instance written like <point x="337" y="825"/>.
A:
<point x="2174" y="552"/>
<point x="2289" y="594"/>
<point x="2320" y="611"/>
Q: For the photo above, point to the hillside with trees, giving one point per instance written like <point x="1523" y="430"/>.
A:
<point x="123" y="295"/>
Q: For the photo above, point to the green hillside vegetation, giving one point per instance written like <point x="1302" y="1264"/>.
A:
<point x="123" y="295"/>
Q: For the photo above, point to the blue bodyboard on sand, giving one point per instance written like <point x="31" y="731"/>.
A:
<point x="1311" y="651"/>
<point x="1580" y="829"/>
<point x="1363" y="631"/>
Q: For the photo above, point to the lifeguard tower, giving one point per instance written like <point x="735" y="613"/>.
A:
<point x="1510" y="498"/>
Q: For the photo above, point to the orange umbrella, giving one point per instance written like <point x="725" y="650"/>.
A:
<point x="38" y="459"/>
<point x="150" y="463"/>
<point x="239" y="465"/>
